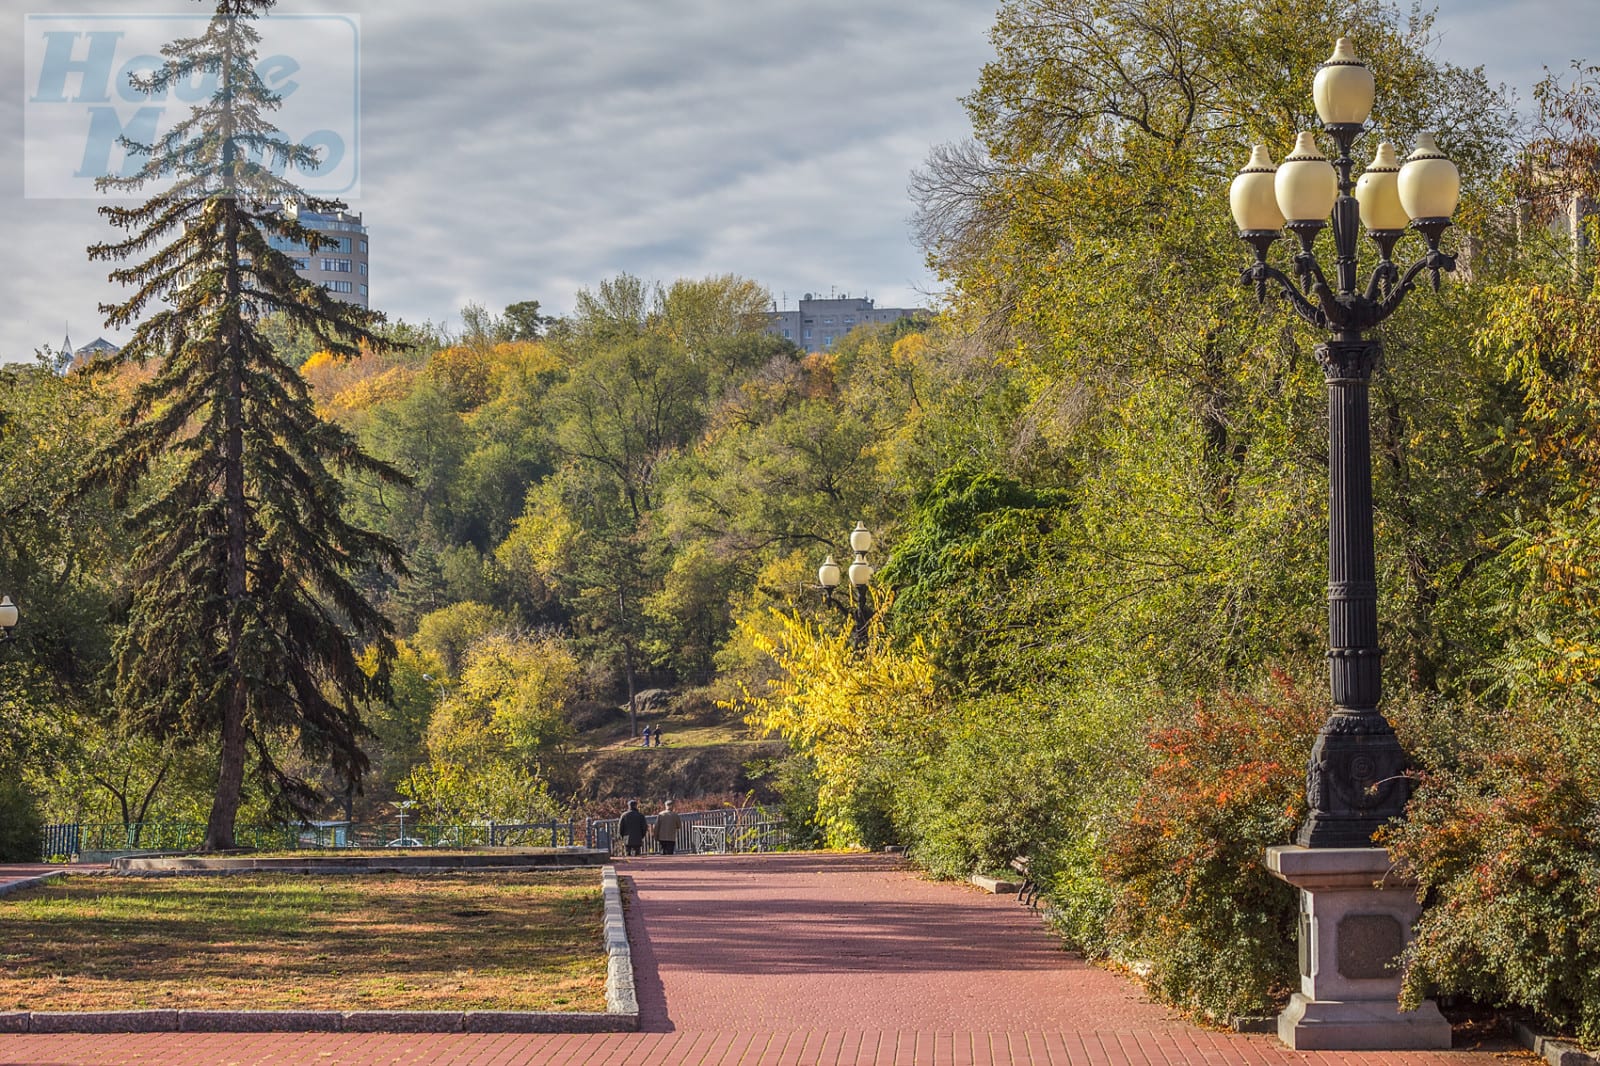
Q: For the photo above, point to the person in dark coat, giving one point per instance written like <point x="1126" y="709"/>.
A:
<point x="633" y="826"/>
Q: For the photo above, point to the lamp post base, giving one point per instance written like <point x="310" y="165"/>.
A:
<point x="1356" y="914"/>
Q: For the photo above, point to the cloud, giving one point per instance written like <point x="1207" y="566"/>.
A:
<point x="515" y="149"/>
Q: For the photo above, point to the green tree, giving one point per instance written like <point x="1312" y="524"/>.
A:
<point x="244" y="618"/>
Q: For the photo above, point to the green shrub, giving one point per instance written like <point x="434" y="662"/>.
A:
<point x="999" y="786"/>
<point x="1504" y="836"/>
<point x="1189" y="892"/>
<point x="21" y="825"/>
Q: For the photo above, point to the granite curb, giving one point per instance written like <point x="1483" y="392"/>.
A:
<point x="1555" y="1052"/>
<point x="552" y="859"/>
<point x="29" y="882"/>
<point x="621" y="1014"/>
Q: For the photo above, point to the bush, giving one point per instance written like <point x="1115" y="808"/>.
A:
<point x="21" y="824"/>
<point x="1502" y="834"/>
<point x="998" y="787"/>
<point x="1189" y="892"/>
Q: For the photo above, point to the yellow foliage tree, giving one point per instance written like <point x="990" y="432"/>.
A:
<point x="487" y="739"/>
<point x="842" y="708"/>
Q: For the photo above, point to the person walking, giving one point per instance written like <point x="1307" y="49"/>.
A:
<point x="667" y="826"/>
<point x="646" y="743"/>
<point x="633" y="826"/>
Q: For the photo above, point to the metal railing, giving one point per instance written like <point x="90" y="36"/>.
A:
<point x="749" y="829"/>
<point x="720" y="832"/>
<point x="68" y="839"/>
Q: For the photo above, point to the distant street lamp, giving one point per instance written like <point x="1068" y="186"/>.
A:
<point x="860" y="573"/>
<point x="8" y="619"/>
<point x="1356" y="780"/>
<point x="436" y="681"/>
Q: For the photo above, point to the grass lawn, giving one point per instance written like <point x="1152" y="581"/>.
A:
<point x="281" y="942"/>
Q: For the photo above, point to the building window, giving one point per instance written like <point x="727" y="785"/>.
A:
<point x="808" y="335"/>
<point x="336" y="266"/>
<point x="363" y="290"/>
<point x="363" y="247"/>
<point x="301" y="264"/>
<point x="337" y="286"/>
<point x="335" y="244"/>
<point x="827" y="322"/>
<point x="363" y="269"/>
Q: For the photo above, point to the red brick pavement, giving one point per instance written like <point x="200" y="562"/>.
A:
<point x="796" y="960"/>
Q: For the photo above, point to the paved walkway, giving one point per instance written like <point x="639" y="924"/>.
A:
<point x="794" y="960"/>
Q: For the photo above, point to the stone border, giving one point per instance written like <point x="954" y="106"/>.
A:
<point x="999" y="886"/>
<point x="500" y="860"/>
<point x="28" y="882"/>
<point x="621" y="1014"/>
<point x="1555" y="1052"/>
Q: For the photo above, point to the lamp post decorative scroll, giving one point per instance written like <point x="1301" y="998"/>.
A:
<point x="860" y="573"/>
<point x="1355" y="781"/>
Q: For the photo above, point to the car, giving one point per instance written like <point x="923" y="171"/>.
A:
<point x="405" y="842"/>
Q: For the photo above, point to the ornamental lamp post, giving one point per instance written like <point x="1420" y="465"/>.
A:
<point x="1355" y="781"/>
<point x="8" y="619"/>
<point x="860" y="573"/>
<point x="1356" y="908"/>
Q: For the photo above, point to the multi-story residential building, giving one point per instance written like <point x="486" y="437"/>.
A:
<point x="818" y="322"/>
<point x="340" y="266"/>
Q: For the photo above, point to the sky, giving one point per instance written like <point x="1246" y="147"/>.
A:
<point x="524" y="149"/>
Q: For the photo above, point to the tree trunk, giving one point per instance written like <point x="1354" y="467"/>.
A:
<point x="230" y="772"/>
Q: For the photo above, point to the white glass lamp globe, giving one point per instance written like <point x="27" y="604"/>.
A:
<point x="1430" y="185"/>
<point x="1252" y="196"/>
<point x="860" y="539"/>
<point x="1306" y="183"/>
<point x="8" y="613"/>
<point x="1378" y="192"/>
<point x="828" y="573"/>
<point x="860" y="572"/>
<point x="1343" y="88"/>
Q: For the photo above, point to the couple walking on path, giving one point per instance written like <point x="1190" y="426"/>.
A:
<point x="635" y="827"/>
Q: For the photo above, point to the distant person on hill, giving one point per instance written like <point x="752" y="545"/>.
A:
<point x="658" y="736"/>
<point x="646" y="735"/>
<point x="667" y="826"/>
<point x="633" y="826"/>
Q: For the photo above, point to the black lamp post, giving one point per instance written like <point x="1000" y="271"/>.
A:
<point x="860" y="573"/>
<point x="1356" y="780"/>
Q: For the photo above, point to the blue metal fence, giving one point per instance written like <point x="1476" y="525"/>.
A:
<point x="722" y="831"/>
<point x="719" y="831"/>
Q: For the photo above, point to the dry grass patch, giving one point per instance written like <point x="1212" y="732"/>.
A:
<point x="280" y="942"/>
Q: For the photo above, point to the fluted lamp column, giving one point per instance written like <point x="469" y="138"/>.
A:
<point x="1355" y="781"/>
<point x="1356" y="911"/>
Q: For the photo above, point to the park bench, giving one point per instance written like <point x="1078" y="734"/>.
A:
<point x="1028" y="894"/>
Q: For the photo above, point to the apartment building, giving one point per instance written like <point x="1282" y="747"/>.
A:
<point x="341" y="266"/>
<point x="820" y="321"/>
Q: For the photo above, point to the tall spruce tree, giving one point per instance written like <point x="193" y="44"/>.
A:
<point x="245" y="624"/>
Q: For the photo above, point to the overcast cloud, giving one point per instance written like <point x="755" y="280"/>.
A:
<point x="522" y="149"/>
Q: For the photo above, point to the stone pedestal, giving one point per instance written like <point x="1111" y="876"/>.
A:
<point x="1356" y="916"/>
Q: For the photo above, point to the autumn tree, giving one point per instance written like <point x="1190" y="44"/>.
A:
<point x="244" y="625"/>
